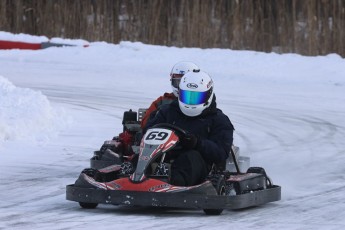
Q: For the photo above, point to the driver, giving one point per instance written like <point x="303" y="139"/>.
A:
<point x="178" y="70"/>
<point x="209" y="131"/>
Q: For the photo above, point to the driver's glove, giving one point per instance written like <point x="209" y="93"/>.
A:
<point x="189" y="141"/>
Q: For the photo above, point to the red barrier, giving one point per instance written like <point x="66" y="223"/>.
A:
<point x="6" y="45"/>
<point x="19" y="45"/>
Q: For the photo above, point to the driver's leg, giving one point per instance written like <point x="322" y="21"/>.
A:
<point x="189" y="168"/>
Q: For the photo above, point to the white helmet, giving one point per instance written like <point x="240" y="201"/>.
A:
<point x="195" y="93"/>
<point x="178" y="71"/>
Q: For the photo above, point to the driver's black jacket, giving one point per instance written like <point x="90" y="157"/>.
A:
<point x="213" y="129"/>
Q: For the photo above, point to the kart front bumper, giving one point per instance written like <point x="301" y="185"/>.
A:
<point x="173" y="200"/>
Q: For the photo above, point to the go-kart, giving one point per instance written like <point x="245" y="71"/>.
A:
<point x="147" y="183"/>
<point x="112" y="151"/>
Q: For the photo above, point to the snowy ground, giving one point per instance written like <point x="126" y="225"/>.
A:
<point x="58" y="105"/>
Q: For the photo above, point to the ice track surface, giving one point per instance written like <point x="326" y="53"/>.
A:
<point x="295" y="130"/>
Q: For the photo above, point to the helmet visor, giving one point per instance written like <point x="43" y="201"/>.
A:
<point x="175" y="79"/>
<point x="192" y="97"/>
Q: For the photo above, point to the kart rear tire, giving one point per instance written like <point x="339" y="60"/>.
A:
<point x="88" y="205"/>
<point x="220" y="186"/>
<point x="262" y="171"/>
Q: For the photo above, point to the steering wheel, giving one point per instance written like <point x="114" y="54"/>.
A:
<point x="179" y="131"/>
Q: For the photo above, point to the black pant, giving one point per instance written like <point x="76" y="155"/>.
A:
<point x="189" y="168"/>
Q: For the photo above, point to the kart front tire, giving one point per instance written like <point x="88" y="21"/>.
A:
<point x="213" y="212"/>
<point x="88" y="205"/>
<point x="220" y="186"/>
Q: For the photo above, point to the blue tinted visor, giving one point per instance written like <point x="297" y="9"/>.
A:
<point x="193" y="98"/>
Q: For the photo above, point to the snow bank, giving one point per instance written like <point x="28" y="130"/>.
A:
<point x="26" y="114"/>
<point x="22" y="37"/>
<point x="5" y="36"/>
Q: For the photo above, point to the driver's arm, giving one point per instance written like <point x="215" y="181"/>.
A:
<point x="216" y="147"/>
<point x="153" y="120"/>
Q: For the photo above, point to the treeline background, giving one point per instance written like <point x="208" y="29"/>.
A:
<point x="307" y="27"/>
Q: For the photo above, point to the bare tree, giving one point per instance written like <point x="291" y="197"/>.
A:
<point x="308" y="27"/>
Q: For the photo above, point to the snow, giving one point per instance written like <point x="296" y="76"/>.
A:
<point x="58" y="105"/>
<point x="27" y="114"/>
<point x="6" y="36"/>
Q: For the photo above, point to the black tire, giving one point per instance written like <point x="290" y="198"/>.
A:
<point x="88" y="205"/>
<point x="220" y="186"/>
<point x="261" y="171"/>
<point x="258" y="170"/>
